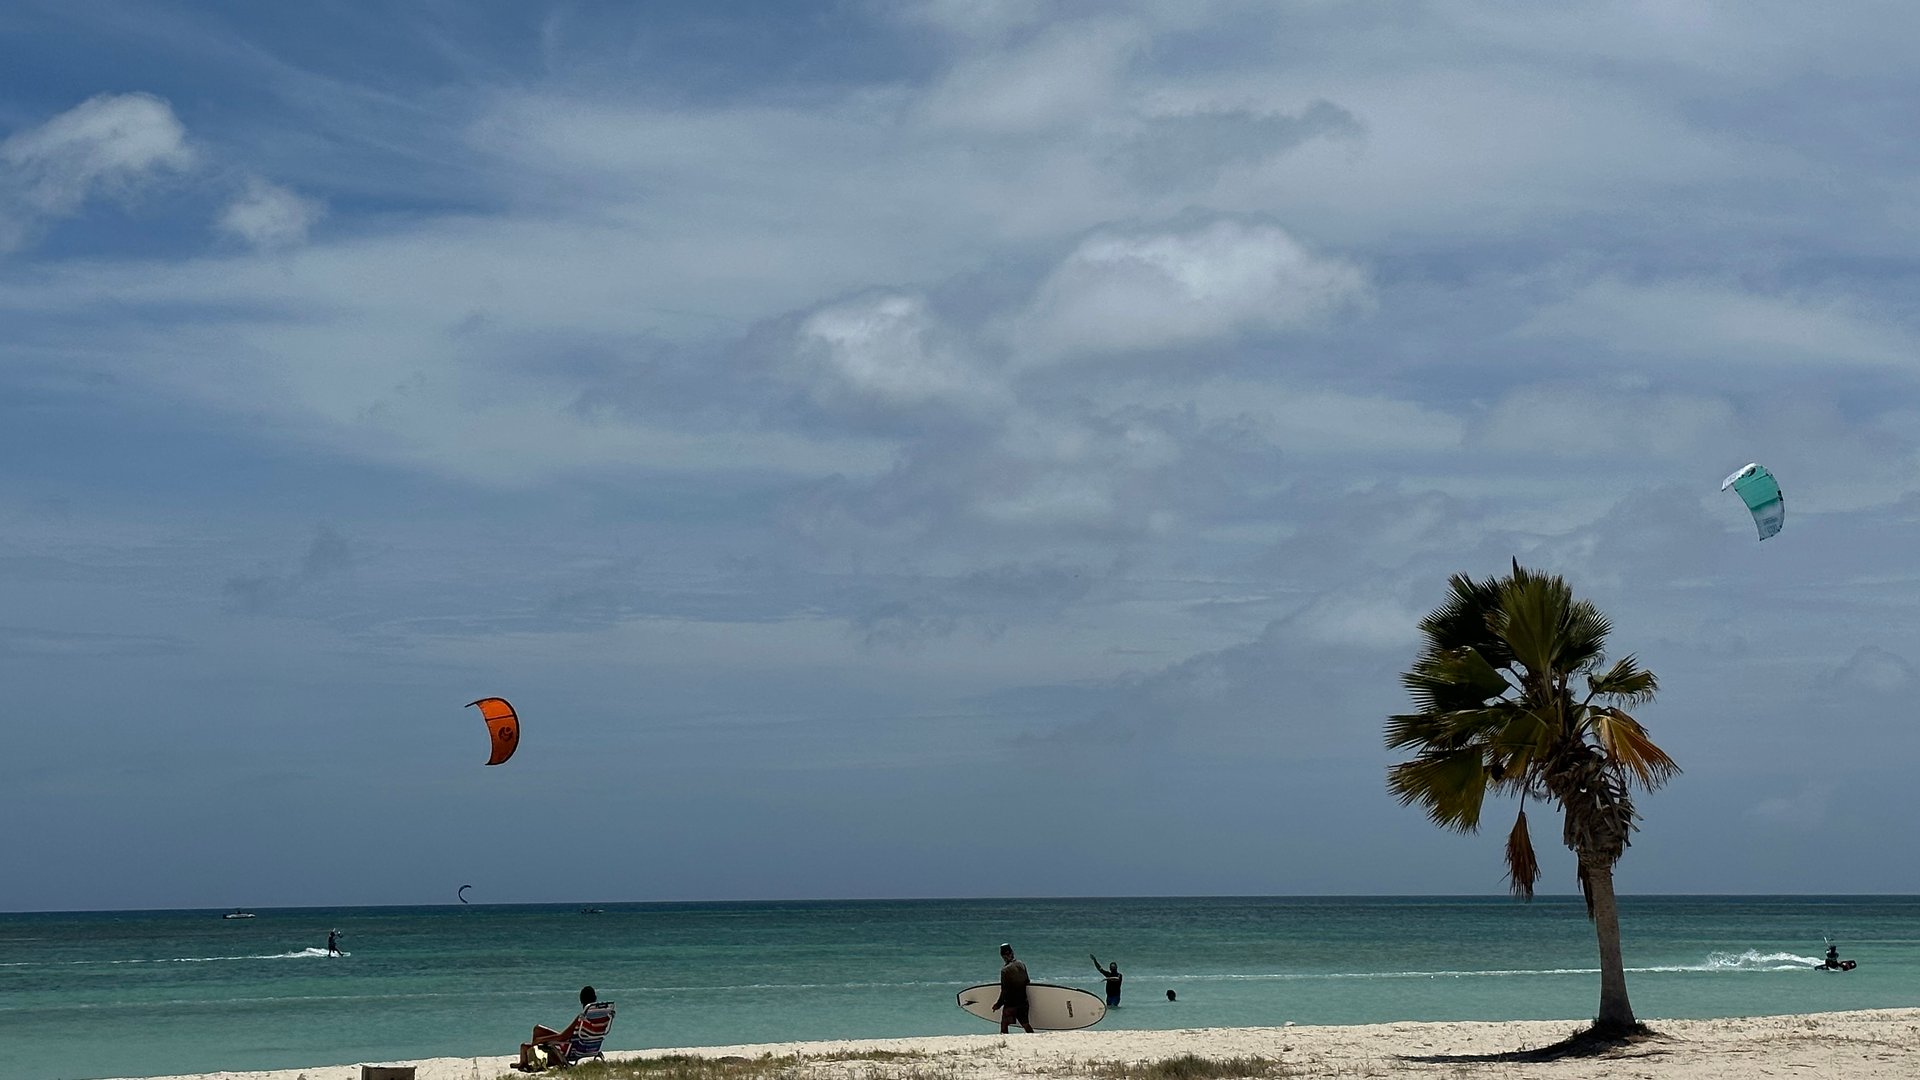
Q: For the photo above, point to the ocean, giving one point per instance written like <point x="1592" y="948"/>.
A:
<point x="144" y="993"/>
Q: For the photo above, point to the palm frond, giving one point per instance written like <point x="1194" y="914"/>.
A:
<point x="1532" y="612"/>
<point x="1475" y="727"/>
<point x="1626" y="682"/>
<point x="1583" y="636"/>
<point x="1461" y="621"/>
<point x="1453" y="729"/>
<point x="1468" y="670"/>
<point x="1413" y="729"/>
<point x="1450" y="785"/>
<point x="1630" y="750"/>
<point x="1523" y="870"/>
<point x="1433" y="689"/>
<point x="1524" y="730"/>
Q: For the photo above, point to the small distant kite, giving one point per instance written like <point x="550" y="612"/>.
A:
<point x="504" y="725"/>
<point x="1761" y="492"/>
<point x="461" y="892"/>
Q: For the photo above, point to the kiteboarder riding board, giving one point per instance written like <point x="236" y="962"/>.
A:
<point x="1049" y="1007"/>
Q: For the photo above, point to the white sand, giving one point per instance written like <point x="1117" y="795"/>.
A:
<point x="1829" y="1046"/>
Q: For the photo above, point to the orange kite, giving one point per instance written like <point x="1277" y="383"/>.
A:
<point x="504" y="725"/>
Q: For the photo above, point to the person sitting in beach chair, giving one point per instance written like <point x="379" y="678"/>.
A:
<point x="578" y="1040"/>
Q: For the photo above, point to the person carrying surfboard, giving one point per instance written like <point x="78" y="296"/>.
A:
<point x="1013" y="991"/>
<point x="1111" y="973"/>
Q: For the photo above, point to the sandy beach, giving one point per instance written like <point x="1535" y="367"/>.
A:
<point x="1851" y="1045"/>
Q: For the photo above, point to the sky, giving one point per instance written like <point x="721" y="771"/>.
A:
<point x="939" y="448"/>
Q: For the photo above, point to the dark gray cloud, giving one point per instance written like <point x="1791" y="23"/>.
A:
<point x="985" y="602"/>
<point x="327" y="555"/>
<point x="1873" y="671"/>
<point x="1181" y="150"/>
<point x="19" y="642"/>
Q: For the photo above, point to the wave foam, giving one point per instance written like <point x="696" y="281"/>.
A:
<point x="297" y="954"/>
<point x="1750" y="960"/>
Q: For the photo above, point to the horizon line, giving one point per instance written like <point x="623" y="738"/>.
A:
<point x="1550" y="897"/>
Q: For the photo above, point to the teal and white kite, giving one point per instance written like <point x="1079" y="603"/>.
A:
<point x="1761" y="492"/>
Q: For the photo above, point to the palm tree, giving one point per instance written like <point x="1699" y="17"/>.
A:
<point x="1497" y="711"/>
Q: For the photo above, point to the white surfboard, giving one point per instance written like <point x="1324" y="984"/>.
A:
<point x="1049" y="1007"/>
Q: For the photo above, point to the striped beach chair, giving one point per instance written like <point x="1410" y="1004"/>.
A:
<point x="595" y="1022"/>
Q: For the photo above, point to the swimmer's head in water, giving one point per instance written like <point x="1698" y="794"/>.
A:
<point x="1170" y="995"/>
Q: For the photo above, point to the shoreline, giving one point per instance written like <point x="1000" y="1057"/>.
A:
<point x="1878" y="1044"/>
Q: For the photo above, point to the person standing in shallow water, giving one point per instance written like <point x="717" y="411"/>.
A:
<point x="1111" y="973"/>
<point x="1012" y="1002"/>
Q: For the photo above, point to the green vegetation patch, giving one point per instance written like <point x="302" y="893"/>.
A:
<point x="903" y="1065"/>
<point x="764" y="1067"/>
<point x="1189" y="1067"/>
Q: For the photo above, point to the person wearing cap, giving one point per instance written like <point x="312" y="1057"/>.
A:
<point x="1013" y="991"/>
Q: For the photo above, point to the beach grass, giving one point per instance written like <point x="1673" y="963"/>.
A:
<point x="907" y="1065"/>
<point x="878" y="1065"/>
<point x="1190" y="1067"/>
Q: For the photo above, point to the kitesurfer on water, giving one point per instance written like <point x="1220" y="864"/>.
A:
<point x="1833" y="955"/>
<point x="333" y="943"/>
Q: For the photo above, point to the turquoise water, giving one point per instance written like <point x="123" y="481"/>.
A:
<point x="160" y="992"/>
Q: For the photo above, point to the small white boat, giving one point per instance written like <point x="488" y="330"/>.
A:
<point x="236" y="913"/>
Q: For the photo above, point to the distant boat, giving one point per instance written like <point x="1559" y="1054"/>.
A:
<point x="593" y="911"/>
<point x="236" y="913"/>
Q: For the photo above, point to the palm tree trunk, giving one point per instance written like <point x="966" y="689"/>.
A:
<point x="1616" y="1012"/>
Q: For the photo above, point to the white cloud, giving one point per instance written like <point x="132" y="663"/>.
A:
<point x="984" y="20"/>
<point x="269" y="216"/>
<point x="415" y="376"/>
<point x="1123" y="291"/>
<point x="887" y="348"/>
<point x="1064" y="77"/>
<point x="1714" y="322"/>
<point x="1580" y="421"/>
<point x="426" y="397"/>
<point x="105" y="146"/>
<point x="1453" y="149"/>
<point x="1047" y="470"/>
<point x="1051" y="498"/>
<point x="1298" y="417"/>
<point x="1367" y="621"/>
<point x="1739" y="45"/>
<point x="611" y="274"/>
